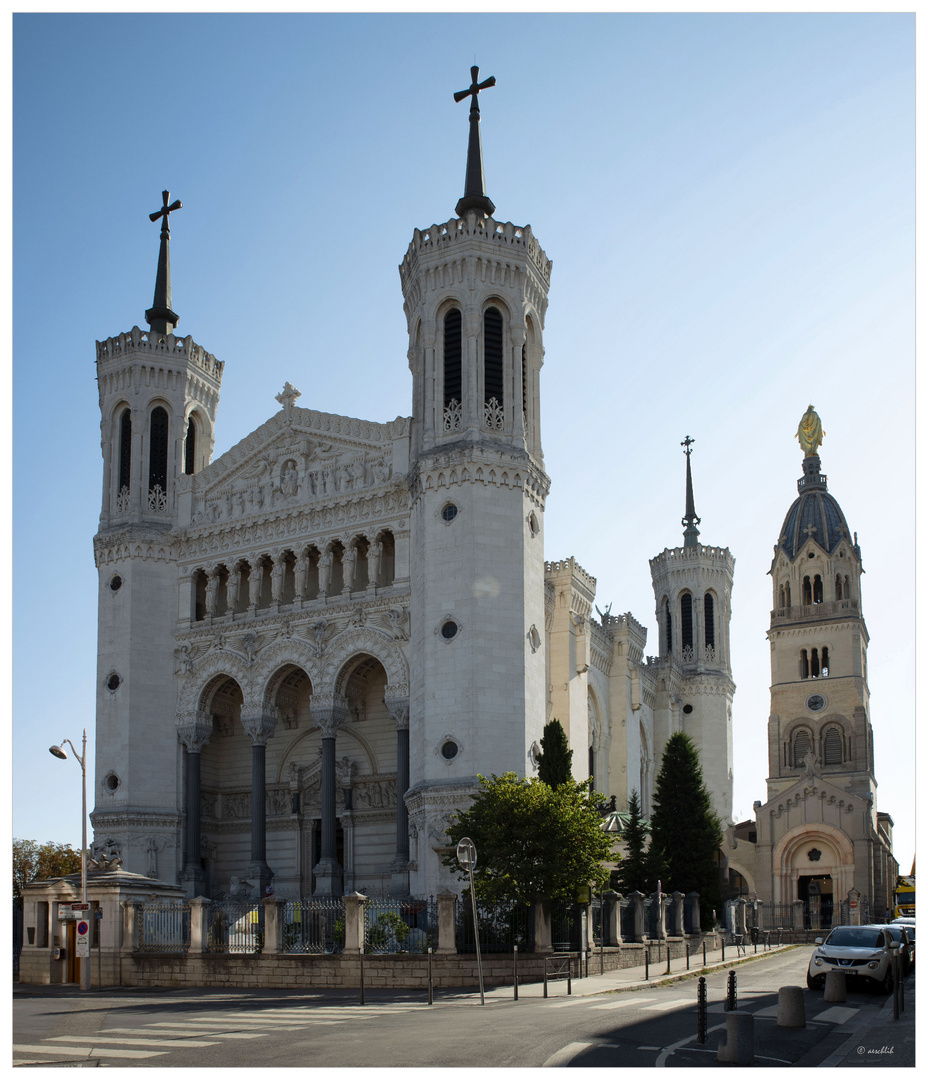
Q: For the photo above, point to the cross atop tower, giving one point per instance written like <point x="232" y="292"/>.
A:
<point x="690" y="520"/>
<point x="159" y="316"/>
<point x="475" y="196"/>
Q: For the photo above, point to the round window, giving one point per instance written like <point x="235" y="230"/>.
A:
<point x="116" y="583"/>
<point x="112" y="683"/>
<point x="449" y="629"/>
<point x="111" y="782"/>
<point x="449" y="512"/>
<point x="815" y="703"/>
<point x="687" y="709"/>
<point x="449" y="750"/>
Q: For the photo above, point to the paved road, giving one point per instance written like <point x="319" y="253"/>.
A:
<point x="644" y="1024"/>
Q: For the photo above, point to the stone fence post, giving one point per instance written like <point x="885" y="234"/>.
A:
<point x="446" y="907"/>
<point x="853" y="907"/>
<point x="759" y="914"/>
<point x="132" y="910"/>
<point x="676" y="915"/>
<point x="199" y="915"/>
<point x="636" y="900"/>
<point x="739" y="910"/>
<point x="692" y="921"/>
<point x="612" y="923"/>
<point x="798" y="921"/>
<point x="656" y="929"/>
<point x="273" y="924"/>
<point x="542" y="910"/>
<point x="354" y="923"/>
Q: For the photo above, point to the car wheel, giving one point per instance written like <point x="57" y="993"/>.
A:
<point x="886" y="986"/>
<point x="815" y="982"/>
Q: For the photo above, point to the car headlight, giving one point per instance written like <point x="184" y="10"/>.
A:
<point x="818" y="961"/>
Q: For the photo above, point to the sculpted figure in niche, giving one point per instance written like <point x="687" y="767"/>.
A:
<point x="152" y="852"/>
<point x="277" y="578"/>
<point x="810" y="432"/>
<point x="254" y="584"/>
<point x="341" y="478"/>
<point x="288" y="482"/>
<point x="381" y="472"/>
<point x="325" y="572"/>
<point x="355" y="474"/>
<point x="250" y="647"/>
<point x="349" y="560"/>
<point x="317" y="645"/>
<point x="184" y="663"/>
<point x="232" y="587"/>
<point x="374" y="553"/>
<point x="212" y="590"/>
<point x="299" y="576"/>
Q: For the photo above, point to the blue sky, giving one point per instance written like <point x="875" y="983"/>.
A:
<point x="728" y="201"/>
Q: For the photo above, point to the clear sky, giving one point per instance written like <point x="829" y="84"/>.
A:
<point x="728" y="201"/>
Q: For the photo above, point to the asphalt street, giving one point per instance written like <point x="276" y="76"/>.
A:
<point x="614" y="1020"/>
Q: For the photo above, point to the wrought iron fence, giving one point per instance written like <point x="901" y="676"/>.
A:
<point x="313" y="925"/>
<point x="163" y="926"/>
<point x="502" y="925"/>
<point x="627" y="919"/>
<point x="235" y="926"/>
<point x="400" y="924"/>
<point x="17" y="932"/>
<point x="564" y="927"/>
<point x="596" y="917"/>
<point x="862" y="913"/>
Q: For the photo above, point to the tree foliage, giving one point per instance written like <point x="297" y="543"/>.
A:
<point x="685" y="830"/>
<point x="36" y="862"/>
<point x="554" y="763"/>
<point x="533" y="841"/>
<point x="637" y="870"/>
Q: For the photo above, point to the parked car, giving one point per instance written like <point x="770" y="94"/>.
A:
<point x="861" y="952"/>
<point x="904" y="933"/>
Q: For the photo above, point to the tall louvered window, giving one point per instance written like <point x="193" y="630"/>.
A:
<point x="452" y="357"/>
<point x="158" y="450"/>
<point x="190" y="446"/>
<point x="832" y="747"/>
<point x="803" y="664"/>
<point x="802" y="745"/>
<point x="686" y="620"/>
<point x="668" y="627"/>
<point x="709" y="611"/>
<point x="524" y="383"/>
<point x="125" y="449"/>
<point x="492" y="357"/>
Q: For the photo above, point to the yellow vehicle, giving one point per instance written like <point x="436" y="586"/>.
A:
<point x="904" y="897"/>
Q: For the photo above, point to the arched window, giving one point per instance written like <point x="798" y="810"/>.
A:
<point x="668" y="628"/>
<point x="807" y="590"/>
<point x="787" y="595"/>
<point x="838" y="587"/>
<point x="190" y="446"/>
<point x="847" y="587"/>
<point x="802" y="745"/>
<point x="709" y="619"/>
<point x="492" y="356"/>
<point x="452" y="358"/>
<point x="817" y="591"/>
<point x="825" y="664"/>
<point x="814" y="669"/>
<point x="803" y="664"/>
<point x="832" y="748"/>
<point x="125" y="449"/>
<point x="782" y="594"/>
<point x="524" y="383"/>
<point x="686" y="620"/>
<point x="158" y="450"/>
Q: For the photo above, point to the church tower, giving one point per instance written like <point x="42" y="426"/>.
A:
<point x="692" y="588"/>
<point x="158" y="397"/>
<point x="819" y="699"/>
<point x="475" y="292"/>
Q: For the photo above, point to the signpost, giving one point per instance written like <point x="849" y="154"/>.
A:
<point x="467" y="858"/>
<point x="83" y="940"/>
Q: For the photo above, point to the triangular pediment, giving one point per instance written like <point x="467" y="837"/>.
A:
<point x="813" y="787"/>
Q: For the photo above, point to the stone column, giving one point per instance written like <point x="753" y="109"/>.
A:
<point x="199" y="913"/>
<point x="273" y="924"/>
<point x="398" y="708"/>
<point x="676" y="915"/>
<point x="798" y="923"/>
<point x="328" y="711"/>
<point x="636" y="899"/>
<point x="132" y="910"/>
<point x="446" y="905"/>
<point x="693" y="923"/>
<point x="193" y="731"/>
<point x="354" y="922"/>
<point x="260" y="726"/>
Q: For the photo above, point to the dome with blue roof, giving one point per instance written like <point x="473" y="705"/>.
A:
<point x="815" y="515"/>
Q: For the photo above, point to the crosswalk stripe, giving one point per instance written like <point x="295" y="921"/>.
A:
<point x="624" y="1002"/>
<point x="85" y="1051"/>
<point x="220" y="1033"/>
<point x="665" y="1006"/>
<point x="134" y="1042"/>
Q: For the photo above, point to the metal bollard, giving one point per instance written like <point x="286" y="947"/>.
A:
<point x="646" y="958"/>
<point x="723" y="950"/>
<point x="361" y="980"/>
<point x="430" y="976"/>
<point x="687" y="956"/>
<point x="667" y="972"/>
<point x="704" y="954"/>
<point x="546" y="978"/>
<point x="515" y="972"/>
<point x="731" y="1003"/>
<point x="569" y="966"/>
<point x="702" y="1010"/>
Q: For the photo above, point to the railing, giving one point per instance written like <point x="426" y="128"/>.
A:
<point x="313" y="926"/>
<point x="235" y="926"/>
<point x="163" y="926"/>
<point x="400" y="924"/>
<point x="502" y="925"/>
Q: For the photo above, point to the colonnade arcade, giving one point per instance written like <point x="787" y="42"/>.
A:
<point x="313" y="757"/>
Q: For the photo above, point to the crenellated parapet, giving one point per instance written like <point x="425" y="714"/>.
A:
<point x="149" y="344"/>
<point x="569" y="578"/>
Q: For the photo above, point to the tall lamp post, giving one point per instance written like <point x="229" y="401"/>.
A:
<point x="58" y="752"/>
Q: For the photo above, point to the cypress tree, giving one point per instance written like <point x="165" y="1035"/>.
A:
<point x="685" y="830"/>
<point x="633" y="872"/>
<point x="555" y="759"/>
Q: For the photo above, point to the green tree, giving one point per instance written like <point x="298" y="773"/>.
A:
<point x="533" y="841"/>
<point x="685" y="830"/>
<point x="556" y="756"/>
<point x="635" y="870"/>
<point x="36" y="862"/>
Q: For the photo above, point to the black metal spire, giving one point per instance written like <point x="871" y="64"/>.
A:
<point x="159" y="316"/>
<point x="690" y="520"/>
<point x="475" y="196"/>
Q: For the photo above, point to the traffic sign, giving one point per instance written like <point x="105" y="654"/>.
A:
<point x="467" y="853"/>
<point x="83" y="942"/>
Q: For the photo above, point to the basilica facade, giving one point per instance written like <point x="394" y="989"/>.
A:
<point x="310" y="646"/>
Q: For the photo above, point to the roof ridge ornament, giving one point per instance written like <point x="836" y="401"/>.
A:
<point x="690" y="519"/>
<point x="475" y="196"/>
<point x="159" y="316"/>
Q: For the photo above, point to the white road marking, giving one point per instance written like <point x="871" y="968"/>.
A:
<point x="568" y="1001"/>
<point x="837" y="1014"/>
<point x="86" y="1051"/>
<point x="135" y="1042"/>
<point x="666" y="1006"/>
<point x="219" y="1032"/>
<point x="566" y="1054"/>
<point x="631" y="999"/>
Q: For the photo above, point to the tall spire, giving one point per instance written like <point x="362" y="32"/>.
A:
<point x="690" y="520"/>
<point x="475" y="196"/>
<point x="159" y="316"/>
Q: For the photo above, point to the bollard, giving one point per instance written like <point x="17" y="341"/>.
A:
<point x="361" y="980"/>
<point x="646" y="955"/>
<point x="702" y="1011"/>
<point x="704" y="953"/>
<point x="835" y="986"/>
<point x="569" y="965"/>
<point x="738" y="1048"/>
<point x="731" y="1002"/>
<point x="667" y="972"/>
<point x="791" y="1007"/>
<point x="515" y="972"/>
<point x="430" y="976"/>
<point x="723" y="950"/>
<point x="546" y="980"/>
<point x="687" y="956"/>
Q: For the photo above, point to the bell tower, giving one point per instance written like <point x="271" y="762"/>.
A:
<point x="475" y="293"/>
<point x="158" y="398"/>
<point x="692" y="589"/>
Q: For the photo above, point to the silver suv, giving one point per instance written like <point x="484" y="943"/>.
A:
<point x="861" y="952"/>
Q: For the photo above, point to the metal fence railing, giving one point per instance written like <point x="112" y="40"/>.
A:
<point x="235" y="926"/>
<point x="502" y="924"/>
<point x="313" y="925"/>
<point x="400" y="924"/>
<point x="564" y="927"/>
<point x="163" y="926"/>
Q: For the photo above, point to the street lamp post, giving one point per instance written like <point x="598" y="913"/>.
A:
<point x="58" y="752"/>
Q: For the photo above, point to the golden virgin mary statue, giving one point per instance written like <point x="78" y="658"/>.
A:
<point x="810" y="432"/>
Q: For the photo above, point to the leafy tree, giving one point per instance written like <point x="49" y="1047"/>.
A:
<point x="635" y="870"/>
<point x="36" y="862"/>
<point x="556" y="756"/>
<point x="533" y="841"/>
<point x="684" y="827"/>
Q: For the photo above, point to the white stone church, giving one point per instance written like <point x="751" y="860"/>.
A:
<point x="311" y="646"/>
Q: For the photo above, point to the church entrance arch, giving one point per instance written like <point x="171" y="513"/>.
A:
<point x="814" y="863"/>
<point x="816" y="893"/>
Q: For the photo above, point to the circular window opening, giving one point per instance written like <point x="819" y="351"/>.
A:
<point x="449" y="629"/>
<point x="112" y="683"/>
<point x="449" y="512"/>
<point x="116" y="583"/>
<point x="449" y="750"/>
<point x="111" y="782"/>
<point x="687" y="709"/>
<point x="811" y="554"/>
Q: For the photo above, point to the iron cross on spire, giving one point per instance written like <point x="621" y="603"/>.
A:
<point x="164" y="211"/>
<point x="475" y="88"/>
<point x="475" y="192"/>
<point x="687" y="442"/>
